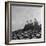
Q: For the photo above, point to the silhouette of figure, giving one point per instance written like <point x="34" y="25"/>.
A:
<point x="37" y="29"/>
<point x="28" y="26"/>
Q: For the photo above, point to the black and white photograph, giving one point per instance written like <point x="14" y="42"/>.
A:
<point x="26" y="22"/>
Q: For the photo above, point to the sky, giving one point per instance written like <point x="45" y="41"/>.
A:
<point x="20" y="14"/>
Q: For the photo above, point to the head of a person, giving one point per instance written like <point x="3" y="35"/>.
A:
<point x="35" y="21"/>
<point x="27" y="22"/>
<point x="30" y="21"/>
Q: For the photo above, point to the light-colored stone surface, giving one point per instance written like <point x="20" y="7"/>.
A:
<point x="45" y="22"/>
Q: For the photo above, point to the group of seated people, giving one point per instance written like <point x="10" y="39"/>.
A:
<point x="30" y="30"/>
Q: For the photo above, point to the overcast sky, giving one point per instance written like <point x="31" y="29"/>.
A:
<point x="20" y="14"/>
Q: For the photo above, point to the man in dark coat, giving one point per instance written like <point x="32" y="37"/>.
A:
<point x="37" y="29"/>
<point x="29" y="29"/>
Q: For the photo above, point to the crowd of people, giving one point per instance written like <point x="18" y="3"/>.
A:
<point x="30" y="30"/>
